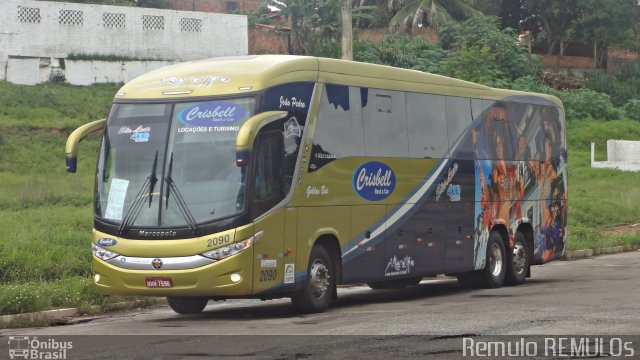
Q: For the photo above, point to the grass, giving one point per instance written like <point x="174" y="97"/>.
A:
<point x="46" y="214"/>
<point x="600" y="198"/>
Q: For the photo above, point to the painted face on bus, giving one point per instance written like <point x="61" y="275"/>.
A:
<point x="498" y="142"/>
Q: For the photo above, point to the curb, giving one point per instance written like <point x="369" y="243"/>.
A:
<point x="586" y="253"/>
<point x="63" y="316"/>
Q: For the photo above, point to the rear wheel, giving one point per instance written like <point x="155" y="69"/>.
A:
<point x="320" y="286"/>
<point x="187" y="304"/>
<point x="517" y="261"/>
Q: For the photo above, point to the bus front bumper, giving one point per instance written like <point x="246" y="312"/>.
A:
<point x="229" y="277"/>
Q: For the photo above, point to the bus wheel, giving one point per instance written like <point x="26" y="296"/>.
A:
<point x="320" y="284"/>
<point x="187" y="304"/>
<point x="517" y="261"/>
<point x="496" y="265"/>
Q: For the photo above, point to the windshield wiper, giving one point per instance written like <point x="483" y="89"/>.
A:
<point x="182" y="205"/>
<point x="136" y="206"/>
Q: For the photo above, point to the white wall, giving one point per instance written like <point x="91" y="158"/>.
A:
<point x="622" y="150"/>
<point x="41" y="29"/>
<point x="90" y="72"/>
<point x="621" y="154"/>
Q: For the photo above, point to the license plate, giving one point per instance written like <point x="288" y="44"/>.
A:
<point x="159" y="282"/>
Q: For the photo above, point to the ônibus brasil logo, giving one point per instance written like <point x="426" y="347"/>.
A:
<point x="374" y="181"/>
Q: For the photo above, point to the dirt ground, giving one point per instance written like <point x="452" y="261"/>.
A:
<point x="623" y="229"/>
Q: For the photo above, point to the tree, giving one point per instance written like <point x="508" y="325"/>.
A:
<point x="607" y="22"/>
<point x="411" y="14"/>
<point x="346" y="35"/>
<point x="555" y="20"/>
<point x="482" y="52"/>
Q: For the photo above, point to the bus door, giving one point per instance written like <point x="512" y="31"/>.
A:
<point x="268" y="191"/>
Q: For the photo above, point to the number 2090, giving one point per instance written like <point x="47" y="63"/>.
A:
<point x="218" y="240"/>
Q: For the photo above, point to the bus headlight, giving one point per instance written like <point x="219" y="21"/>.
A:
<point x="103" y="254"/>
<point x="229" y="250"/>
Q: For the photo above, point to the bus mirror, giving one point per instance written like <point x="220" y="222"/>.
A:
<point x="71" y="148"/>
<point x="248" y="132"/>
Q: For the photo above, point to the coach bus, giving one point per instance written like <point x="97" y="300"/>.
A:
<point x="285" y="176"/>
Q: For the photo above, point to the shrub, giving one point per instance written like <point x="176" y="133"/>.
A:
<point x="621" y="87"/>
<point x="511" y="58"/>
<point x="586" y="103"/>
<point x="632" y="109"/>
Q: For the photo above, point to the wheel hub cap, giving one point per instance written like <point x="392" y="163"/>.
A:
<point x="319" y="279"/>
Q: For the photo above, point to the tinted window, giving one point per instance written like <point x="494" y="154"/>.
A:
<point x="385" y="124"/>
<point x="338" y="131"/>
<point x="493" y="132"/>
<point x="426" y="125"/>
<point x="458" y="124"/>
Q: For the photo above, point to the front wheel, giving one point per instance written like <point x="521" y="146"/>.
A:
<point x="320" y="285"/>
<point x="495" y="268"/>
<point x="493" y="274"/>
<point x="187" y="304"/>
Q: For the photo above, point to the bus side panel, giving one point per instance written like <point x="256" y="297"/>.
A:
<point x="364" y="260"/>
<point x="427" y="228"/>
<point x="399" y="248"/>
<point x="459" y="248"/>
<point x="268" y="261"/>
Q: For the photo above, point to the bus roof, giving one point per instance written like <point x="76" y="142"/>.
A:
<point x="244" y="74"/>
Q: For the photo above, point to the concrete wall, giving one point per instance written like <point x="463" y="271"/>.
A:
<point x="41" y="29"/>
<point x="623" y="150"/>
<point x="570" y="62"/>
<point x="621" y="155"/>
<point x="31" y="71"/>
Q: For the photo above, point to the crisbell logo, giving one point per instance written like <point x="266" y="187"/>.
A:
<point x="25" y="347"/>
<point x="374" y="181"/>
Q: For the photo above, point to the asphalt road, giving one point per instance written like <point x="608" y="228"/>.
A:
<point x="588" y="298"/>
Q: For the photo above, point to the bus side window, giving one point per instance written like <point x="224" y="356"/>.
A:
<point x="269" y="172"/>
<point x="427" y="125"/>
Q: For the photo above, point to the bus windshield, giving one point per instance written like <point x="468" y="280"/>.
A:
<point x="171" y="165"/>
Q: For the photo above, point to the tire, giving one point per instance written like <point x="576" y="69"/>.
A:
<point x="517" y="261"/>
<point x="320" y="286"/>
<point x="187" y="304"/>
<point x="493" y="274"/>
<point x="394" y="284"/>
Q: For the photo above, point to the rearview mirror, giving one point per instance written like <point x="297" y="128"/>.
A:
<point x="248" y="132"/>
<point x="71" y="148"/>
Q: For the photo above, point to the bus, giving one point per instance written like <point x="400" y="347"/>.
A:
<point x="284" y="176"/>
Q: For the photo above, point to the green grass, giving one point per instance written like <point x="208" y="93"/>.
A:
<point x="600" y="198"/>
<point x="46" y="213"/>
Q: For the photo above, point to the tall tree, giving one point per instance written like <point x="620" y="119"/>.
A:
<point x="411" y="14"/>
<point x="346" y="35"/>
<point x="608" y="22"/>
<point x="555" y="20"/>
